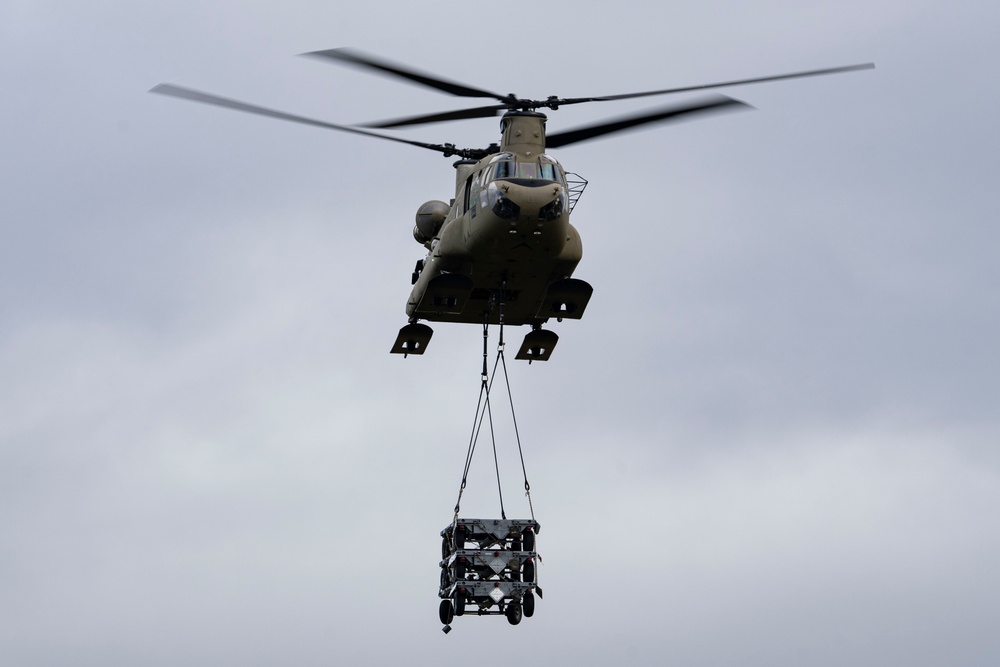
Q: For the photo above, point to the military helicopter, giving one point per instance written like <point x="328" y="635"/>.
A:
<point x="503" y="249"/>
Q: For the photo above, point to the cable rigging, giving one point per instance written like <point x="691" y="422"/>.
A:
<point x="484" y="410"/>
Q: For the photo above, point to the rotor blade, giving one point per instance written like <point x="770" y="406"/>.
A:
<point x="461" y="114"/>
<point x="710" y="104"/>
<point x="207" y="98"/>
<point x="739" y="82"/>
<point x="365" y="61"/>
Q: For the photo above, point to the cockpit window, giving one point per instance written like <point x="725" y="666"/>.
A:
<point x="527" y="170"/>
<point x="545" y="169"/>
<point x="505" y="169"/>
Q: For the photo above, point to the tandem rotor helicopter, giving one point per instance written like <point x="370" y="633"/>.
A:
<point x="505" y="238"/>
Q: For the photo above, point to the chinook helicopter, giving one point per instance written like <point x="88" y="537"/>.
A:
<point x="503" y="249"/>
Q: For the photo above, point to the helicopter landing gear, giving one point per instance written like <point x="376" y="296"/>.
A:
<point x="412" y="339"/>
<point x="566" y="298"/>
<point x="538" y="345"/>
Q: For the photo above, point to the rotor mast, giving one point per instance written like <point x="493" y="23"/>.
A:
<point x="523" y="132"/>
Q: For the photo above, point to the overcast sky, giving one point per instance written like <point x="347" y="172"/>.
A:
<point x="772" y="440"/>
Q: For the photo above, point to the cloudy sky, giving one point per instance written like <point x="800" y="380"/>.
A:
<point x="771" y="441"/>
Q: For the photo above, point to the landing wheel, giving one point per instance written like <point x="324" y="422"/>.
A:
<point x="528" y="571"/>
<point x="513" y="613"/>
<point x="445" y="547"/>
<point x="459" y="603"/>
<point x="446" y="612"/>
<point x="529" y="604"/>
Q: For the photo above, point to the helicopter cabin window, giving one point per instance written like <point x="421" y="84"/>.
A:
<point x="467" y="195"/>
<point x="479" y="196"/>
<point x="475" y="185"/>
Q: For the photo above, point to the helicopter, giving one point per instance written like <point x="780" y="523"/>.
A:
<point x="502" y="250"/>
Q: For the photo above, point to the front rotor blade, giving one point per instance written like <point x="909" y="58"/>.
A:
<point x="739" y="82"/>
<point x="208" y="98"/>
<point x="461" y="114"/>
<point x="365" y="61"/>
<point x="715" y="103"/>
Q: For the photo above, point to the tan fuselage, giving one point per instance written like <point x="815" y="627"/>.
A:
<point x="508" y="228"/>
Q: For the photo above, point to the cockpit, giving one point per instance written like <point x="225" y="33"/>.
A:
<point x="490" y="188"/>
<point x="508" y="166"/>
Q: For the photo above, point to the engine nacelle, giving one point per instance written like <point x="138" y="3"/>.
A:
<point x="430" y="216"/>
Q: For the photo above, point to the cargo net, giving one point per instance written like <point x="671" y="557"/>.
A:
<point x="488" y="565"/>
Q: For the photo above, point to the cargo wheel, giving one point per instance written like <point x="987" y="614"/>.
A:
<point x="446" y="612"/>
<point x="529" y="540"/>
<point x="529" y="604"/>
<point x="513" y="613"/>
<point x="528" y="571"/>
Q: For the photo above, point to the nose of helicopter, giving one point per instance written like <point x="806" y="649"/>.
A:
<point x="537" y="201"/>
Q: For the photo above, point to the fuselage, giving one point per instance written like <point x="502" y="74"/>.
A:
<point x="508" y="228"/>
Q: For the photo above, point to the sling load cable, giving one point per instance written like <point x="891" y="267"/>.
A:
<point x="510" y="399"/>
<point x="485" y="387"/>
<point x="482" y="406"/>
<point x="517" y="435"/>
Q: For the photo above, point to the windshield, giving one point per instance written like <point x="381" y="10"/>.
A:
<point x="544" y="170"/>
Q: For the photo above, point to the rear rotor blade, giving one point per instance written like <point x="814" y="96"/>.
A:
<point x="207" y="98"/>
<point x="739" y="82"/>
<point x="364" y="61"/>
<point x="676" y="112"/>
